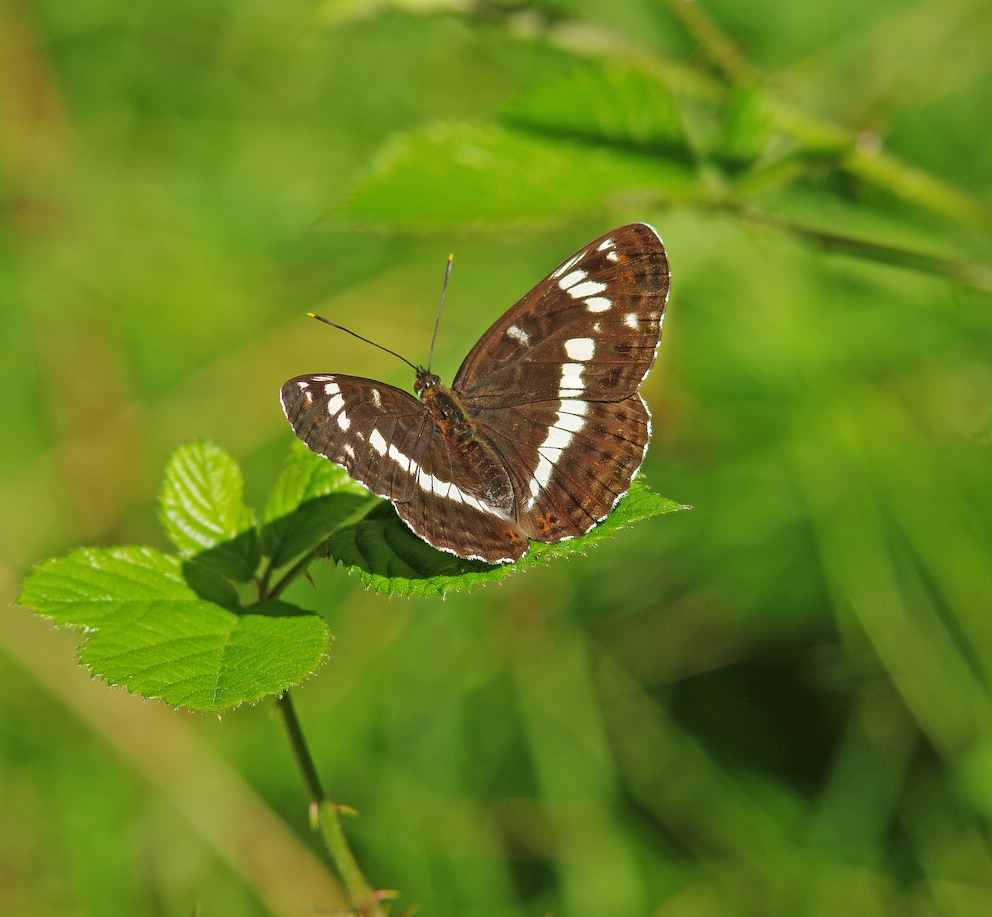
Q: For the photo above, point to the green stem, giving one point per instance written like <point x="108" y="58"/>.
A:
<point x="262" y="582"/>
<point x="299" y="567"/>
<point x="301" y="752"/>
<point x="966" y="273"/>
<point x="722" y="52"/>
<point x="325" y="815"/>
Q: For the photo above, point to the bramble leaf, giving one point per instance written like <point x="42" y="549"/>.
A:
<point x="155" y="625"/>
<point x="202" y="510"/>
<point x="177" y="628"/>
<point x="311" y="498"/>
<point x="478" y="174"/>
<point x="623" y="105"/>
<point x="392" y="560"/>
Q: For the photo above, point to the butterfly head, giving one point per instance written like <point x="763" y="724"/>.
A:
<point x="426" y="380"/>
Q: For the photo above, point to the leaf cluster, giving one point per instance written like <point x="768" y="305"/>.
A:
<point x="206" y="627"/>
<point x="631" y="130"/>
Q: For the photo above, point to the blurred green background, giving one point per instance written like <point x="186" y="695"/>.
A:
<point x="775" y="704"/>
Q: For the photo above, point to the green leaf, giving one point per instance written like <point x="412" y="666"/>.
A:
<point x="624" y="106"/>
<point x="392" y="560"/>
<point x="467" y="173"/>
<point x="154" y="626"/>
<point x="305" y="476"/>
<point x="203" y="513"/>
<point x="747" y="127"/>
<point x="311" y="498"/>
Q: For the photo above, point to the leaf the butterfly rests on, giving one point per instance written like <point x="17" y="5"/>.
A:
<point x="543" y="428"/>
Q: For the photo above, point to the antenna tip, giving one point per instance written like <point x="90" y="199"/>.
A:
<point x="311" y="314"/>
<point x="451" y="258"/>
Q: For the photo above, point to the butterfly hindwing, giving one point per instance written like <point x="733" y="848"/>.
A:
<point x="572" y="460"/>
<point x="453" y="508"/>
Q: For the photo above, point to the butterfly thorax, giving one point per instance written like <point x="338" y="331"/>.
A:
<point x="443" y="405"/>
<point x="473" y="452"/>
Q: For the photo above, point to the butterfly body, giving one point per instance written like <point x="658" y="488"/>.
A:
<point x="473" y="452"/>
<point x="541" y="431"/>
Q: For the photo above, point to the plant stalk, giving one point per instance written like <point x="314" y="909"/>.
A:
<point x="325" y="816"/>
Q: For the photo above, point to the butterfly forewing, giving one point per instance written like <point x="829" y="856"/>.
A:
<point x="590" y="329"/>
<point x="543" y="429"/>
<point x="369" y="428"/>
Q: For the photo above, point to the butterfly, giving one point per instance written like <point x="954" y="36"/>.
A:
<point x="541" y="431"/>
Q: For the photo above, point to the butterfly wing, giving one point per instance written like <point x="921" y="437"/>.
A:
<point x="359" y="424"/>
<point x="385" y="439"/>
<point x="451" y="506"/>
<point x="589" y="330"/>
<point x="570" y="461"/>
<point x="553" y="384"/>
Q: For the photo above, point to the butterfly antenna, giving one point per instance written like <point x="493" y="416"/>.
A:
<point x="437" y="320"/>
<point x="320" y="318"/>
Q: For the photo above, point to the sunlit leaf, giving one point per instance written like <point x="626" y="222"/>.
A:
<point x="623" y="106"/>
<point x="311" y="498"/>
<point x="153" y="625"/>
<point x="203" y="513"/>
<point x="468" y="173"/>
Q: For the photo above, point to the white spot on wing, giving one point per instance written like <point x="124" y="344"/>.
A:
<point x="376" y="398"/>
<point x="332" y="388"/>
<point x="425" y="480"/>
<point x="569" y="423"/>
<point x="586" y="288"/>
<point x="335" y="405"/>
<point x="402" y="460"/>
<point x="560" y="434"/>
<point x="518" y="334"/>
<point x="581" y="349"/>
<point x="630" y="320"/>
<point x="604" y="245"/>
<point x="598" y="304"/>
<point x="448" y="490"/>
<point x="571" y="380"/>
<point x="574" y="406"/>
<point x="612" y="256"/>
<point x="377" y="442"/>
<point x="557" y="438"/>
<point x="344" y="421"/>
<point x="541" y="477"/>
<point x="572" y="281"/>
<point x="479" y="505"/>
<point x="567" y="266"/>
